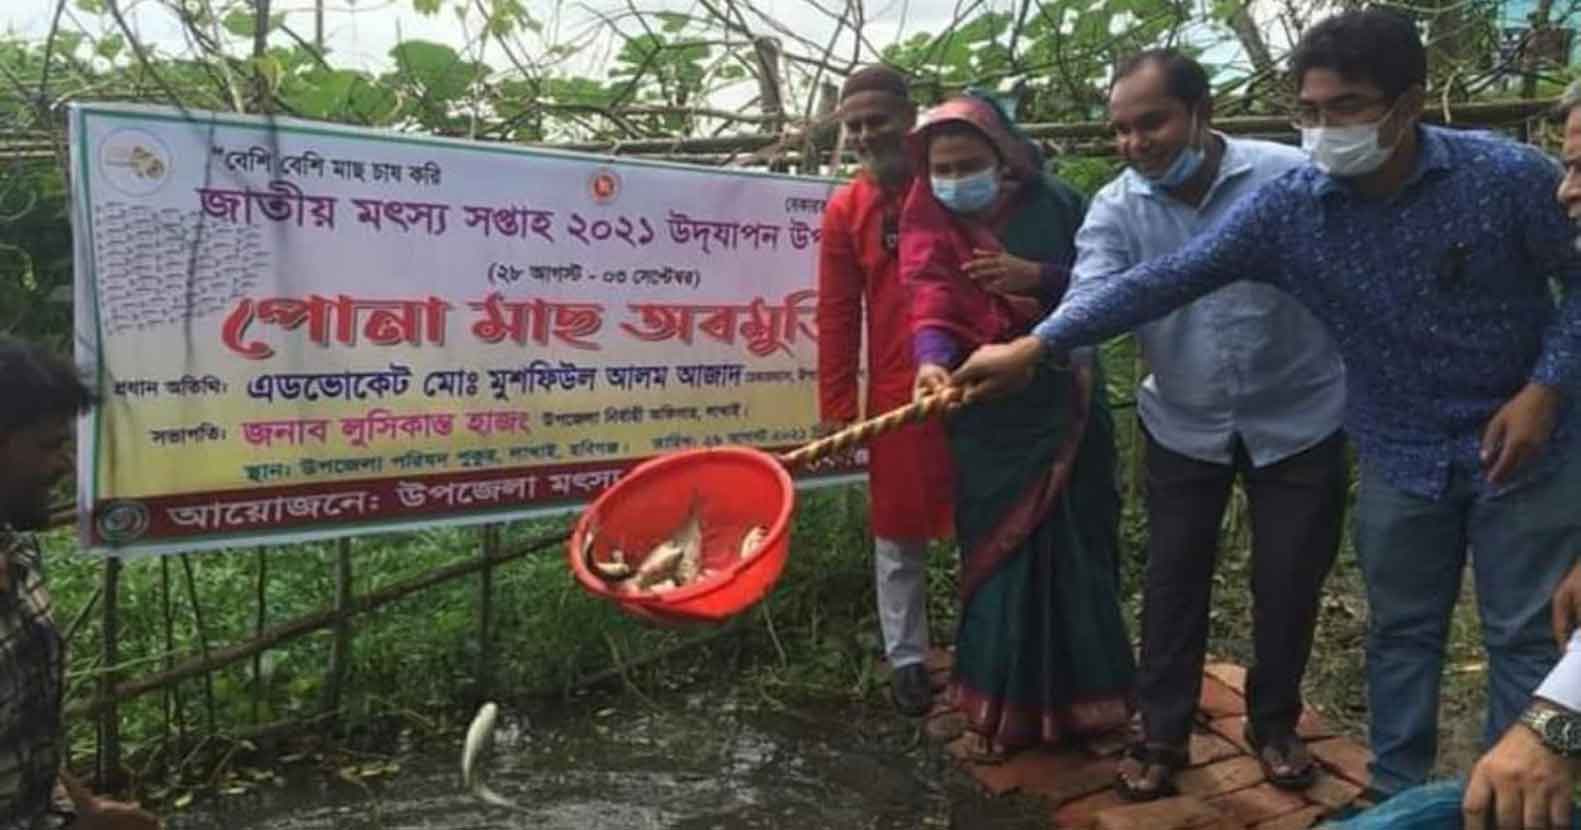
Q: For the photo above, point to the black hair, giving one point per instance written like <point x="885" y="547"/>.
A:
<point x="36" y="384"/>
<point x="1373" y="45"/>
<point x="1184" y="79"/>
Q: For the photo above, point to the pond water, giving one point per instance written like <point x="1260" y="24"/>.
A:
<point x="705" y="761"/>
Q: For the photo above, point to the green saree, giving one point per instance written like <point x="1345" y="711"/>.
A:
<point x="1042" y="650"/>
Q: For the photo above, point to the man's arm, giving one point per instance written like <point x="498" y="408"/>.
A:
<point x="1550" y="242"/>
<point x="1247" y="241"/>
<point x="1095" y="310"/>
<point x="1103" y="249"/>
<point x="1521" y="428"/>
<point x="839" y="316"/>
<point x="1521" y="782"/>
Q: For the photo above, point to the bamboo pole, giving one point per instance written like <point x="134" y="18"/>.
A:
<point x="203" y="637"/>
<point x="1480" y="113"/>
<point x="209" y="661"/>
<point x="489" y="550"/>
<point x="109" y="755"/>
<point x="258" y="625"/>
<point x="340" y="649"/>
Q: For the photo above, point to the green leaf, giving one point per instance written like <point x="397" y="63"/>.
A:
<point x="110" y="46"/>
<point x="240" y="23"/>
<point x="427" y="7"/>
<point x="91" y="6"/>
<point x="672" y="22"/>
<point x="66" y="42"/>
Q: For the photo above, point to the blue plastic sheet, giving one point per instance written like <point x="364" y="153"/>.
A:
<point x="1432" y="806"/>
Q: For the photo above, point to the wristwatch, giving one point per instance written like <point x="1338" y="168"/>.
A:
<point x="1559" y="729"/>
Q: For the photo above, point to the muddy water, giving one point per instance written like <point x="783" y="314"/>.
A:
<point x="703" y="762"/>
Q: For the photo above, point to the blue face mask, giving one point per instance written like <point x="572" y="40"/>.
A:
<point x="1186" y="164"/>
<point x="968" y="194"/>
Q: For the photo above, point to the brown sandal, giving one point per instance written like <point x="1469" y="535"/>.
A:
<point x="1150" y="757"/>
<point x="1287" y="751"/>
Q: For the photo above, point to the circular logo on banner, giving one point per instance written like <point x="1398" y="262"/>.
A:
<point x="604" y="185"/>
<point x="134" y="162"/>
<point x="122" y="521"/>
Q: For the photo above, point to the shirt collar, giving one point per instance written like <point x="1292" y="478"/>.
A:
<point x="1432" y="155"/>
<point x="1232" y="165"/>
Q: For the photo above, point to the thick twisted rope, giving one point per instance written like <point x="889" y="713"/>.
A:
<point x="863" y="431"/>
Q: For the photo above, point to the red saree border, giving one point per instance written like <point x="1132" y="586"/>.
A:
<point x="1014" y="726"/>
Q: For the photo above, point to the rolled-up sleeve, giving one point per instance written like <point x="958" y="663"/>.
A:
<point x="1563" y="684"/>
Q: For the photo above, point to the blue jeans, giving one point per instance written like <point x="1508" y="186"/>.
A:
<point x="1412" y="553"/>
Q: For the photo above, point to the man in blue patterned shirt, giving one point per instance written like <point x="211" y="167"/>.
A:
<point x="40" y="396"/>
<point x="1428" y="253"/>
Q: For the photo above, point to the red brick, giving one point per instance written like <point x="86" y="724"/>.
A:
<point x="1232" y="729"/>
<point x="946" y="726"/>
<point x="1299" y="820"/>
<point x="1259" y="803"/>
<point x="1226" y="776"/>
<point x="1229" y="674"/>
<point x="1066" y="776"/>
<point x="1219" y="701"/>
<point x="997" y="779"/>
<point x="1332" y="792"/>
<point x="1083" y="812"/>
<point x="1313" y="727"/>
<point x="1346" y="758"/>
<point x="1179" y="813"/>
<point x="1207" y="747"/>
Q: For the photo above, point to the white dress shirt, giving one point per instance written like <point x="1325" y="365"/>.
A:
<point x="1563" y="684"/>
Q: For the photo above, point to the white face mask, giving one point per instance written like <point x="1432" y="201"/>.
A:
<point x="1348" y="151"/>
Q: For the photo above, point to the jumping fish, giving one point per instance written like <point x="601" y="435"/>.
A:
<point x="480" y="736"/>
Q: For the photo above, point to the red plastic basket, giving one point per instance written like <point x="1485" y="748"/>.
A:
<point x="737" y="488"/>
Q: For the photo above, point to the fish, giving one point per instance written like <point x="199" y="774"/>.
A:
<point x="613" y="570"/>
<point x="753" y="540"/>
<point x="480" y="736"/>
<point x="690" y="539"/>
<point x="660" y="564"/>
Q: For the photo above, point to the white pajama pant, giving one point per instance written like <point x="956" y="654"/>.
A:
<point x="900" y="575"/>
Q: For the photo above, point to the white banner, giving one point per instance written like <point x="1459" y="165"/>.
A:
<point x="303" y="330"/>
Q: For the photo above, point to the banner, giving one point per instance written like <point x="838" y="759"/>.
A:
<point x="302" y="330"/>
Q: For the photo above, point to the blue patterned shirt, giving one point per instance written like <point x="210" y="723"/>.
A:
<point x="1440" y="297"/>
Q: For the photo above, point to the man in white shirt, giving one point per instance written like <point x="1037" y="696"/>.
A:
<point x="1527" y="780"/>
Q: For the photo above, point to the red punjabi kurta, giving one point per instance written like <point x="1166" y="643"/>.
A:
<point x="910" y="472"/>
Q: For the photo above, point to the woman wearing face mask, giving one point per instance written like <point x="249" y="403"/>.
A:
<point x="985" y="238"/>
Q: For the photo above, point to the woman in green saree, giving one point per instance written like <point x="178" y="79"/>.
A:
<point x="985" y="240"/>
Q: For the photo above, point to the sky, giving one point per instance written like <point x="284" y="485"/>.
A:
<point x="360" y="33"/>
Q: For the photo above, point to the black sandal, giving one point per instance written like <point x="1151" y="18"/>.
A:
<point x="1282" y="745"/>
<point x="1151" y="756"/>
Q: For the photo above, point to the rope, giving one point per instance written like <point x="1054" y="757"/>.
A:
<point x="863" y="431"/>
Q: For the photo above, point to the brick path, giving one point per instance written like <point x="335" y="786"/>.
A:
<point x="1223" y="789"/>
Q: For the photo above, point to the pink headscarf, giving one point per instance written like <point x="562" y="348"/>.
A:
<point x="935" y="244"/>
